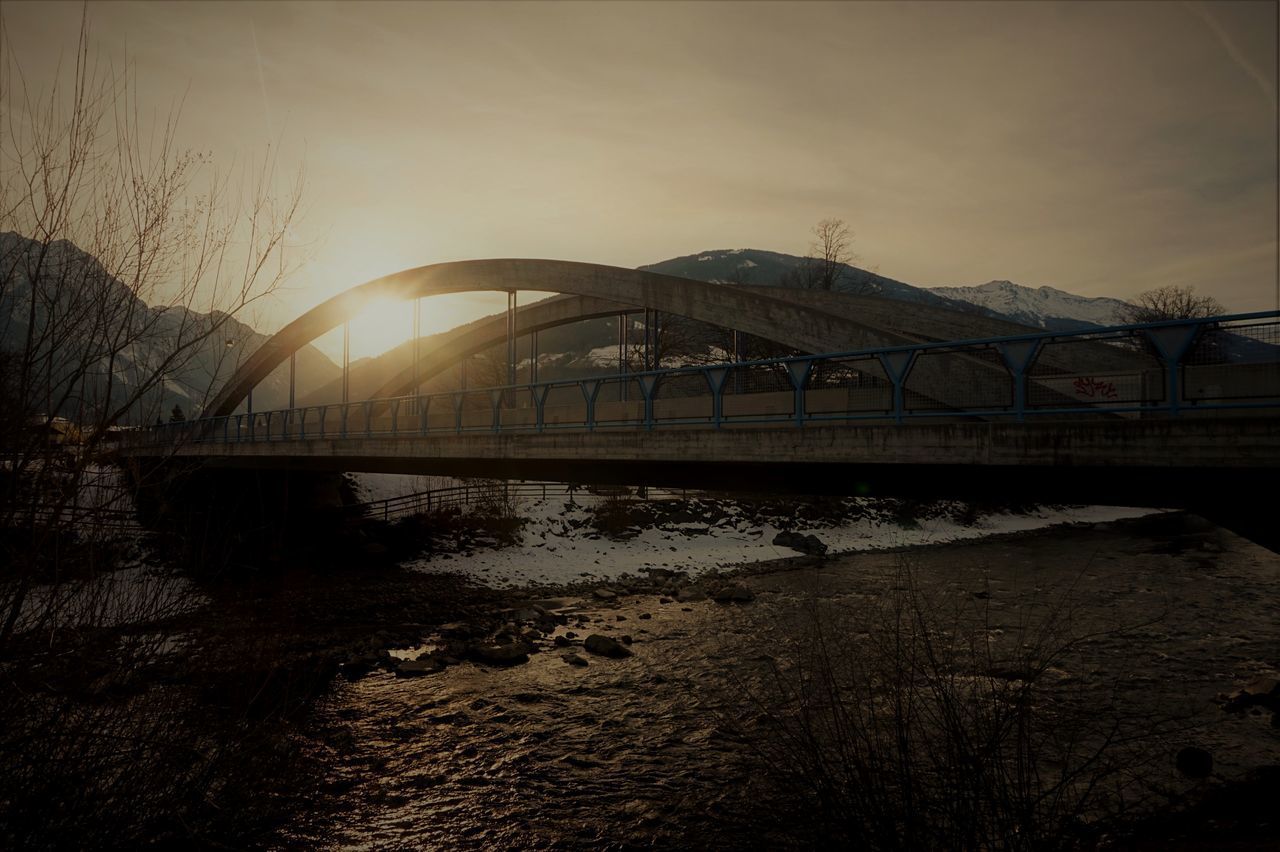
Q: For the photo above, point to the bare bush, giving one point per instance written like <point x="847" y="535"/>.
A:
<point x="911" y="722"/>
<point x="613" y="515"/>
<point x="1170" y="303"/>
<point x="121" y="270"/>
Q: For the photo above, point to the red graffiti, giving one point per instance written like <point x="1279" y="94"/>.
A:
<point x="1095" y="388"/>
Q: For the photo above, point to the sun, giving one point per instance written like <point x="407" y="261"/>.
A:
<point x="384" y="323"/>
<point x="381" y="325"/>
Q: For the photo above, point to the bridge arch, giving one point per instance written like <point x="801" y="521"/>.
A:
<point x="919" y="323"/>
<point x="807" y="320"/>
<point x="800" y="326"/>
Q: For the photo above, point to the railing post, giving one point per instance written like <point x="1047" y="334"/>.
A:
<point x="1172" y="342"/>
<point x="715" y="380"/>
<point x="324" y="411"/>
<point x="539" y="393"/>
<point x="346" y="415"/>
<point x="495" y="402"/>
<point x="424" y="407"/>
<point x="648" y="383"/>
<point x="368" y="418"/>
<point x="1018" y="356"/>
<point x="457" y="411"/>
<point x="896" y="366"/>
<point x="395" y="417"/>
<point x="799" y="371"/>
<point x="590" y="390"/>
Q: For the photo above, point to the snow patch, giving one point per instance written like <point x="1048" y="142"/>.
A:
<point x="557" y="547"/>
<point x="388" y="486"/>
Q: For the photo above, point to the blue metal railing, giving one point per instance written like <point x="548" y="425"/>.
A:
<point x="1161" y="369"/>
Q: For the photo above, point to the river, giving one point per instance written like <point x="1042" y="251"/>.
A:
<point x="633" y="753"/>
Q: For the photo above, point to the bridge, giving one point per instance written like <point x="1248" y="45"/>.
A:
<point x="873" y="396"/>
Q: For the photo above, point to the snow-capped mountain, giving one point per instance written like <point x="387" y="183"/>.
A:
<point x="1044" y="307"/>
<point x="772" y="269"/>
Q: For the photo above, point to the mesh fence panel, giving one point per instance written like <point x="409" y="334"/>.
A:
<point x="619" y="401"/>
<point x="974" y="379"/>
<point x="757" y="378"/>
<point x="1063" y="375"/>
<point x="1236" y="362"/>
<point x="681" y="386"/>
<point x="685" y="396"/>
<point x="866" y="388"/>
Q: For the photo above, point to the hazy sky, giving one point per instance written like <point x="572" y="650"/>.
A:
<point x="1102" y="148"/>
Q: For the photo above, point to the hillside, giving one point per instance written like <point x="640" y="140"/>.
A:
<point x="755" y="267"/>
<point x="77" y="315"/>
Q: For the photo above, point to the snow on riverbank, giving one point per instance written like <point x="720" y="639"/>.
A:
<point x="387" y="486"/>
<point x="558" y="545"/>
<point x="133" y="594"/>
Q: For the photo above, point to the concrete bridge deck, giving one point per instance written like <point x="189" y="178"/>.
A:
<point x="1105" y="461"/>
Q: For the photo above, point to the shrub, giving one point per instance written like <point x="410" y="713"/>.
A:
<point x="910" y="722"/>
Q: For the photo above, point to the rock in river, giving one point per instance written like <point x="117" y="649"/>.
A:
<point x="1194" y="762"/>
<point x="733" y="593"/>
<point x="418" y="668"/>
<point x="500" y="655"/>
<point x="604" y="646"/>
<point x="810" y="544"/>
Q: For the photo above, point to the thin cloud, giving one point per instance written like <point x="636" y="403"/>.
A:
<point x="1224" y="38"/>
<point x="262" y="81"/>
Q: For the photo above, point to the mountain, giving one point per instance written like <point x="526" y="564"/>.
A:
<point x="94" y="342"/>
<point x="770" y="269"/>
<point x="1043" y="307"/>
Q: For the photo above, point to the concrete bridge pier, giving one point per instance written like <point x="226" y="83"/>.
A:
<point x="223" y="517"/>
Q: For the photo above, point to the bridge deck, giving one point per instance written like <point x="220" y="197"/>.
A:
<point x="1102" y="461"/>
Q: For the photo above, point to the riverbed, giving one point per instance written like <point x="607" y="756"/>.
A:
<point x="1168" y="614"/>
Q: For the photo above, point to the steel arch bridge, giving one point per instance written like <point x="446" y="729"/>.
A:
<point x="885" y="396"/>
<point x="803" y="320"/>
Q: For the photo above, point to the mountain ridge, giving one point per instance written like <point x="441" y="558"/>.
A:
<point x="1041" y="307"/>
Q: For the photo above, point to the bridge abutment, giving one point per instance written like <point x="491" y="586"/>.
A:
<point x="221" y="516"/>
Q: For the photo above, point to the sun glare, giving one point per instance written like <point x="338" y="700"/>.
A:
<point x="384" y="324"/>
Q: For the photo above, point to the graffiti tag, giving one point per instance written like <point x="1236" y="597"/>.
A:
<point x="1095" y="388"/>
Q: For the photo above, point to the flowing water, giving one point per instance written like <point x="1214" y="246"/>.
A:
<point x="629" y="753"/>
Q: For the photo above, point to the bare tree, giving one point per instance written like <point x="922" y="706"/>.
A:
<point x="829" y="263"/>
<point x="116" y="270"/>
<point x="123" y="261"/>
<point x="831" y="253"/>
<point x="1170" y="303"/>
